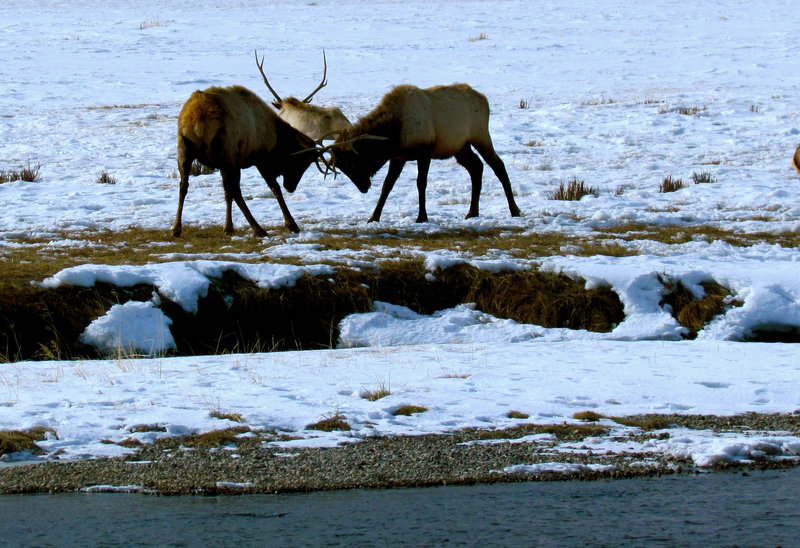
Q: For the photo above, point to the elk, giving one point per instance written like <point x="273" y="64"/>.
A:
<point x="796" y="160"/>
<point x="230" y="129"/>
<point x="315" y="121"/>
<point x="420" y="124"/>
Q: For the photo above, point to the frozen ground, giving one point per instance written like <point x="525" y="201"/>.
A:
<point x="86" y="90"/>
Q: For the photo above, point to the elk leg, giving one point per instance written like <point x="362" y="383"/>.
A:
<point x="474" y="166"/>
<point x="231" y="179"/>
<point x="272" y="183"/>
<point x="184" y="166"/>
<point x="423" y="164"/>
<point x="499" y="168"/>
<point x="395" y="168"/>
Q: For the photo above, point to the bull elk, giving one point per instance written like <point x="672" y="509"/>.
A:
<point x="796" y="160"/>
<point x="421" y="124"/>
<point x="315" y="121"/>
<point x="231" y="129"/>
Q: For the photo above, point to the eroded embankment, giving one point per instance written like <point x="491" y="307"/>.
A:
<point x="238" y="316"/>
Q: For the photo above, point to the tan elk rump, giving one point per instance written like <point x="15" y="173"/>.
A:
<point x="315" y="121"/>
<point x="796" y="159"/>
<point x="231" y="129"/>
<point x="421" y="124"/>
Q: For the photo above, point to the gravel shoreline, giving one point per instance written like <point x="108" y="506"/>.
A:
<point x="469" y="456"/>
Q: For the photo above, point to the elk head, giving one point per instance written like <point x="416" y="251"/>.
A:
<point x="358" y="157"/>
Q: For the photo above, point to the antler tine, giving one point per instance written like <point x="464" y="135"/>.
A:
<point x="264" y="76"/>
<point x="365" y="136"/>
<point x="323" y="82"/>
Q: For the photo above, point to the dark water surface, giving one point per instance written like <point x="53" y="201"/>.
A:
<point x="723" y="509"/>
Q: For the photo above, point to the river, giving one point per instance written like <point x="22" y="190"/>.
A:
<point x="757" y="508"/>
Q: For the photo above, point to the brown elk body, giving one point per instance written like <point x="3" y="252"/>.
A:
<point x="796" y="160"/>
<point x="315" y="121"/>
<point x="421" y="124"/>
<point x="231" y="129"/>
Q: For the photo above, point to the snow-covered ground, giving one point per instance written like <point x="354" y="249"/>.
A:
<point x="86" y="88"/>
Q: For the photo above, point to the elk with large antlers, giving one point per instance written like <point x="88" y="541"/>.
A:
<point x="421" y="124"/>
<point x="231" y="129"/>
<point x="315" y="121"/>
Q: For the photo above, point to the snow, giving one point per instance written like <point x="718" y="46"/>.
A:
<point x="86" y="90"/>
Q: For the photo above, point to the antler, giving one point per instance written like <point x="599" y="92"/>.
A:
<point x="362" y="137"/>
<point x="264" y="76"/>
<point x="322" y="83"/>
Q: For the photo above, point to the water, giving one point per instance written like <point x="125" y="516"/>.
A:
<point x="760" y="509"/>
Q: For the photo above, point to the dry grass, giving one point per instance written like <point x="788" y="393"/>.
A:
<point x="29" y="173"/>
<point x="686" y="111"/>
<point x="574" y="190"/>
<point x="377" y="393"/>
<point x="200" y="169"/>
<point x="234" y="417"/>
<point x="39" y="324"/>
<point x="12" y="441"/>
<point x="645" y="422"/>
<point x="588" y="416"/>
<point x="147" y="428"/>
<point x="481" y="36"/>
<point x="337" y="421"/>
<point x="671" y="185"/>
<point x="517" y="415"/>
<point x="703" y="177"/>
<point x="151" y="23"/>
<point x="214" y="438"/>
<point x="408" y="410"/>
<point x="105" y="178"/>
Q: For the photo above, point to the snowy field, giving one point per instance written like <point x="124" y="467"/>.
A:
<point x="93" y="87"/>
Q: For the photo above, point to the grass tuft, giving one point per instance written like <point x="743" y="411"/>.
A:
<point x="703" y="177"/>
<point x="691" y="312"/>
<point x="524" y="103"/>
<point x="686" y="111"/>
<point x="29" y="173"/>
<point x="105" y="178"/>
<point x="214" y="438"/>
<point x="670" y="185"/>
<point x="13" y="441"/>
<point x="408" y="410"/>
<point x="588" y="416"/>
<point x="481" y="36"/>
<point x="147" y="428"/>
<point x="572" y="191"/>
<point x="517" y="415"/>
<point x="234" y="417"/>
<point x="200" y="169"/>
<point x="151" y="23"/>
<point x="374" y="395"/>
<point x="645" y="422"/>
<point x="337" y="421"/>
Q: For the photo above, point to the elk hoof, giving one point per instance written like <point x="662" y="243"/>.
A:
<point x="260" y="232"/>
<point x="422" y="219"/>
<point x="292" y="227"/>
<point x="176" y="232"/>
<point x="470" y="215"/>
<point x="515" y="212"/>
